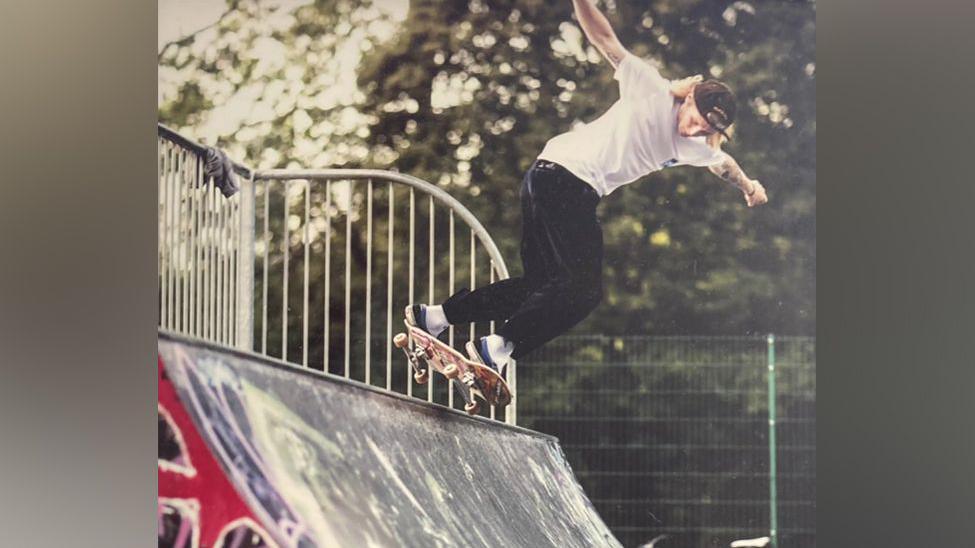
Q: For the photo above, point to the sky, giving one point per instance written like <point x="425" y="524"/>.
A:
<point x="180" y="18"/>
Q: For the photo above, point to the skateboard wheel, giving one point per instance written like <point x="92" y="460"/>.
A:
<point x="450" y="371"/>
<point x="401" y="340"/>
<point x="472" y="408"/>
<point x="421" y="377"/>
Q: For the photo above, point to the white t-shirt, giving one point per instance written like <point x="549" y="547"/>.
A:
<point x="636" y="136"/>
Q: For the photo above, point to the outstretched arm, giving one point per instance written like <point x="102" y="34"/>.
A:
<point x="598" y="31"/>
<point x="731" y="172"/>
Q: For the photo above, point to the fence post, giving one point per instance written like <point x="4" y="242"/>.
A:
<point x="773" y="502"/>
<point x="245" y="270"/>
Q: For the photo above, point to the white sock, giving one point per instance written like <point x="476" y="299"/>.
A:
<point x="500" y="349"/>
<point x="436" y="320"/>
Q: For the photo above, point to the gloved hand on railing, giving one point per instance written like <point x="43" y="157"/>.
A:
<point x="219" y="166"/>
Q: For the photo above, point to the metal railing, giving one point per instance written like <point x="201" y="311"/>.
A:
<point x="361" y="245"/>
<point x="200" y="247"/>
<point x="315" y="267"/>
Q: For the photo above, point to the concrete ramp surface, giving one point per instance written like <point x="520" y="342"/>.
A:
<point x="318" y="461"/>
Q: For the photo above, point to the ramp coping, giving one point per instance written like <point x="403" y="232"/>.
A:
<point x="293" y="368"/>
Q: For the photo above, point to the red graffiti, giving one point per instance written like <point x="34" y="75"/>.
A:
<point x="198" y="506"/>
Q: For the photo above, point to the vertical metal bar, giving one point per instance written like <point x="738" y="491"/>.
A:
<point x="245" y="299"/>
<point x="204" y="258"/>
<point x="228" y="299"/>
<point x="186" y="240"/>
<point x="211" y="262"/>
<point x="160" y="228"/>
<point x="174" y="241"/>
<point x="409" y="376"/>
<point x="194" y="208"/>
<point x="491" y="280"/>
<point x="304" y="300"/>
<point x="348" y="279"/>
<point x="225" y="239"/>
<point x="191" y="207"/>
<point x="264" y="272"/>
<point x="285" y="248"/>
<point x="194" y="262"/>
<point x="206" y="254"/>
<point x="221" y="221"/>
<point x="200" y="246"/>
<point x="473" y="275"/>
<point x="368" y="323"/>
<point x="493" y="410"/>
<point x="190" y="255"/>
<point x="328" y="267"/>
<point x="773" y="491"/>
<point x="491" y="327"/>
<point x="205" y="267"/>
<point x="230" y="323"/>
<point x="230" y="239"/>
<point x="177" y="240"/>
<point x="432" y="270"/>
<point x="165" y="282"/>
<point x="235" y="263"/>
<point x="205" y="243"/>
<point x="473" y="334"/>
<point x="169" y="237"/>
<point x="178" y="324"/>
<point x="194" y="242"/>
<point x="215" y="264"/>
<point x="450" y="291"/>
<point x="389" y="289"/>
<point x="163" y="146"/>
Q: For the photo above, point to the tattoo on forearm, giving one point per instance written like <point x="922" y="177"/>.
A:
<point x="614" y="58"/>
<point x="730" y="172"/>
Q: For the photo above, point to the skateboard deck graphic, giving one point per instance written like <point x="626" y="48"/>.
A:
<point x="473" y="380"/>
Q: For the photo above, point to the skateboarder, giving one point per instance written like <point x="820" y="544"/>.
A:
<point x="655" y="124"/>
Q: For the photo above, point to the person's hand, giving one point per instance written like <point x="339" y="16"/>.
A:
<point x="755" y="193"/>
<point x="680" y="88"/>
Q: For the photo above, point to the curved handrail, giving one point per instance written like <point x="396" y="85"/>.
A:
<point x="429" y="188"/>
<point x="245" y="216"/>
<point x="190" y="144"/>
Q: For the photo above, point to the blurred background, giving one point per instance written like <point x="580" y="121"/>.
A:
<point x="660" y="397"/>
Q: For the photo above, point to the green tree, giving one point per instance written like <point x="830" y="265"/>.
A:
<point x="465" y="94"/>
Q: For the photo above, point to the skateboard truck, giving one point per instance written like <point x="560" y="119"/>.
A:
<point x="417" y="358"/>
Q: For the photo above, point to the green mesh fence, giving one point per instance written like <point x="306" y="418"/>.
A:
<point x="670" y="435"/>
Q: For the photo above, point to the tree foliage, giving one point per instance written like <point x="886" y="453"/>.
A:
<point x="465" y="95"/>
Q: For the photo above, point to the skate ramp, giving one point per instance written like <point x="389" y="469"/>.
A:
<point x="320" y="461"/>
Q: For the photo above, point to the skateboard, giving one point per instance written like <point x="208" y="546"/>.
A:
<point x="473" y="380"/>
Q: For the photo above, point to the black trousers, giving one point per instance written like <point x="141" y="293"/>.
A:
<point x="562" y="255"/>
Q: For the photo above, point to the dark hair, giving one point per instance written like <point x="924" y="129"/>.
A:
<point x="716" y="103"/>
